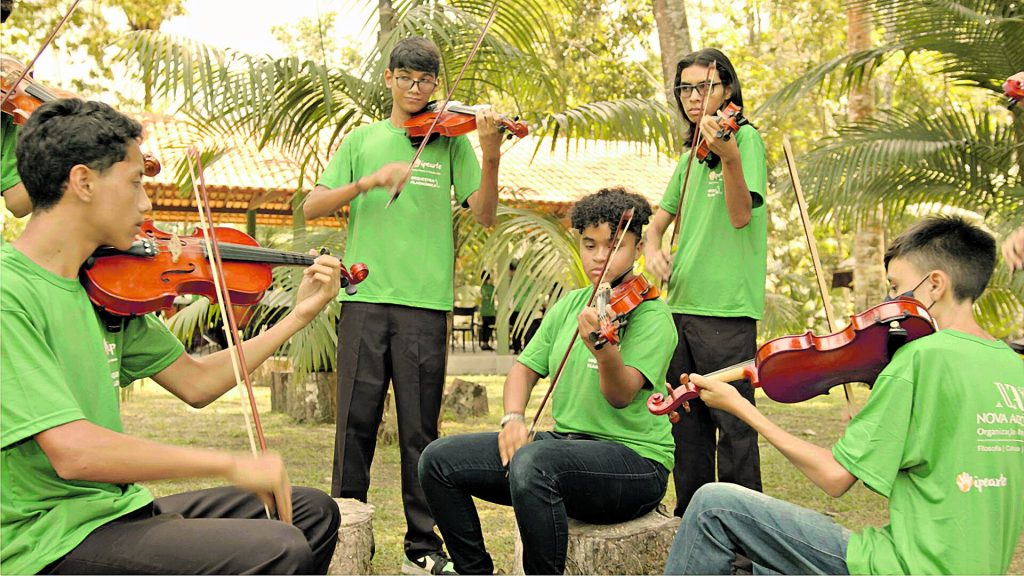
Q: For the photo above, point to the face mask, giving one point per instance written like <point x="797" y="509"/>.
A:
<point x="908" y="293"/>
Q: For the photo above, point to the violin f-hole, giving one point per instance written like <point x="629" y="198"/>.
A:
<point x="165" y="276"/>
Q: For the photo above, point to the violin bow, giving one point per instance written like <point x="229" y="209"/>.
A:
<point x="693" y="152"/>
<point x="46" y="43"/>
<point x="620" y="232"/>
<point x="227" y="314"/>
<point x="397" y="189"/>
<point x="826" y="298"/>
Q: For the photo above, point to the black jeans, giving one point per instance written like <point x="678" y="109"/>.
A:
<point x="380" y="344"/>
<point x="215" y="531"/>
<point x="707" y="344"/>
<point x="549" y="480"/>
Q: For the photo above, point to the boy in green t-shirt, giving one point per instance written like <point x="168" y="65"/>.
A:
<point x="607" y="459"/>
<point x="716" y="276"/>
<point x="395" y="329"/>
<point x="69" y="498"/>
<point x="940" y="438"/>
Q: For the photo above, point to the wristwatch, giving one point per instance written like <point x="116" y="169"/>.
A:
<point x="510" y="417"/>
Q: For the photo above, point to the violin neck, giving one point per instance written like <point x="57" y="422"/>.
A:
<point x="731" y="373"/>
<point x="243" y="253"/>
<point x="39" y="92"/>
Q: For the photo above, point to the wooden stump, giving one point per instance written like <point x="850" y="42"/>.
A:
<point x="465" y="399"/>
<point x="355" y="538"/>
<point x="639" y="546"/>
<point x="308" y="398"/>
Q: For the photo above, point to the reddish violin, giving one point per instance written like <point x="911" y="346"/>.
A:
<point x="21" y="99"/>
<point x="160" y="266"/>
<point x="729" y="123"/>
<point x="796" y="368"/>
<point x="1014" y="91"/>
<point x="623" y="299"/>
<point x="457" y="119"/>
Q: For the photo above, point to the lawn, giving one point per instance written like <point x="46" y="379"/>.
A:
<point x="153" y="413"/>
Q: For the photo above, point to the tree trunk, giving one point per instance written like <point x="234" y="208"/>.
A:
<point x="355" y="538"/>
<point x="869" y="284"/>
<point x="673" y="37"/>
<point x="386" y="16"/>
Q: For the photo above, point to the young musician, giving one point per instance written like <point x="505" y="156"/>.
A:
<point x="939" y="437"/>
<point x="395" y="329"/>
<point x="607" y="459"/>
<point x="717" y="274"/>
<point x="69" y="492"/>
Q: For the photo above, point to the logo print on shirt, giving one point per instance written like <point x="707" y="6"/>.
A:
<point x="965" y="481"/>
<point x="716" y="184"/>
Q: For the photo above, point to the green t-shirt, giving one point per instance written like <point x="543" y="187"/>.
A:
<point x="59" y="364"/>
<point x="487" y="300"/>
<point x="409" y="248"/>
<point x="577" y="405"/>
<point x="719" y="270"/>
<point x="8" y="161"/>
<point x="941" y="438"/>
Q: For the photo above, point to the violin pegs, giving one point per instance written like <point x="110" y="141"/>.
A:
<point x="508" y="136"/>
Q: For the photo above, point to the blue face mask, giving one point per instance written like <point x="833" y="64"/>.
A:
<point x="908" y="293"/>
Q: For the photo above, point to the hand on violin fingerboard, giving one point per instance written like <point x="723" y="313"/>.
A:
<point x="320" y="285"/>
<point x="488" y="123"/>
<point x="724" y="147"/>
<point x="589" y="321"/>
<point x="717" y="394"/>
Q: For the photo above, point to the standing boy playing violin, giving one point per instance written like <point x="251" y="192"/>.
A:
<point x="69" y="494"/>
<point x="395" y="329"/>
<point x="717" y="275"/>
<point x="940" y="437"/>
<point x="607" y="460"/>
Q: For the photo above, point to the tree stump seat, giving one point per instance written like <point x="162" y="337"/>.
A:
<point x="639" y="546"/>
<point x="355" y="538"/>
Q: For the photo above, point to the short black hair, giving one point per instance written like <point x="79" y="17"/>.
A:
<point x="606" y="206"/>
<point x="415" y="53"/>
<point x="64" y="133"/>
<point x="951" y="244"/>
<point x="6" y="6"/>
<point x="726" y="74"/>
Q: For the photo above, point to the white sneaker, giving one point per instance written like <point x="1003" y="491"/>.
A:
<point x="433" y="563"/>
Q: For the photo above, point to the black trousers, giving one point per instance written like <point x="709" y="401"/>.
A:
<point x="215" y="531"/>
<point x="707" y="344"/>
<point x="380" y="344"/>
<point x="486" y="327"/>
<point x="553" y="478"/>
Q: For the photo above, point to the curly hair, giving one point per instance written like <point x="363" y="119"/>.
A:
<point x="606" y="206"/>
<point x="65" y="133"/>
<point x="951" y="244"/>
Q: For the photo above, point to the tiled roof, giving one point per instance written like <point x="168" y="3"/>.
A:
<point x="550" y="179"/>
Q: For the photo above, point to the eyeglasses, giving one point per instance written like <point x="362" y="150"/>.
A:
<point x="684" y="90"/>
<point x="424" y="84"/>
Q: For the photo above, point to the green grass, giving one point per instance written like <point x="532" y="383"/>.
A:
<point x="308" y="450"/>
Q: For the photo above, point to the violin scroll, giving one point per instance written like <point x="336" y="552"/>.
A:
<point x="1013" y="88"/>
<point x="729" y="124"/>
<point x="623" y="299"/>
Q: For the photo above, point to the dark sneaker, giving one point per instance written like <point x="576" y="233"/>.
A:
<point x="433" y="563"/>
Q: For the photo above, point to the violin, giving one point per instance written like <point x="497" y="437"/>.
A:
<point x="730" y="122"/>
<point x="796" y="368"/>
<point x="623" y="299"/>
<point x="1014" y="91"/>
<point x="457" y="119"/>
<point x="21" y="99"/>
<point x="160" y="266"/>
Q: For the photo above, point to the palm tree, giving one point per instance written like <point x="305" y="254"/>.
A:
<point x="962" y="155"/>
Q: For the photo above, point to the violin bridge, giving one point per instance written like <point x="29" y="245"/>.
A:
<point x="174" y="247"/>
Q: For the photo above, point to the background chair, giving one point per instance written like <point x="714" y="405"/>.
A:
<point x="464" y="324"/>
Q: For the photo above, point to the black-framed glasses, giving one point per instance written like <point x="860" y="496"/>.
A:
<point x="424" y="84"/>
<point x="684" y="90"/>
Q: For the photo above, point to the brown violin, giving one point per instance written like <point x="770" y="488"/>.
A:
<point x="729" y="123"/>
<point x="21" y="99"/>
<point x="160" y="266"/>
<point x="623" y="299"/>
<point x="456" y="120"/>
<point x="796" y="368"/>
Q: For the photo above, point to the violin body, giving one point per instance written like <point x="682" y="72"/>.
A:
<point x="1014" y="91"/>
<point x="793" y="369"/>
<point x="456" y="120"/>
<point x="729" y="124"/>
<point x="161" y="266"/>
<point x="624" y="298"/>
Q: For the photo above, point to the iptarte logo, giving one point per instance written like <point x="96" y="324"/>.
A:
<point x="965" y="481"/>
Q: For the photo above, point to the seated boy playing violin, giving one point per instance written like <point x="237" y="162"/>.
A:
<point x="940" y="438"/>
<point x="607" y="459"/>
<point x="70" y="502"/>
